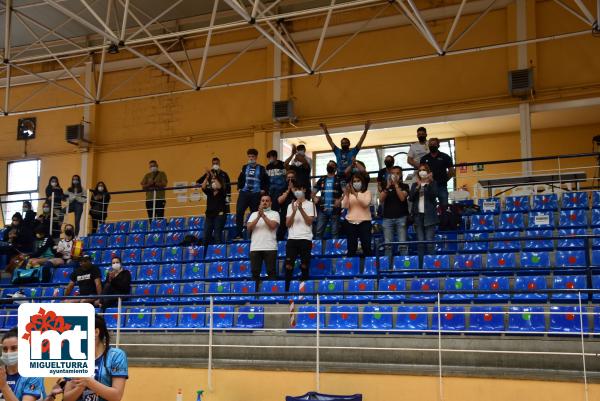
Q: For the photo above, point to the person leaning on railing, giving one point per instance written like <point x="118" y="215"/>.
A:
<point x="357" y="199"/>
<point x="76" y="199"/>
<point x="53" y="190"/>
<point x="155" y="182"/>
<point x="423" y="195"/>
<point x="100" y="198"/>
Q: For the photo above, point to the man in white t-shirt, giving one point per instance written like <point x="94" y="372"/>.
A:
<point x="262" y="226"/>
<point x="418" y="149"/>
<point x="300" y="216"/>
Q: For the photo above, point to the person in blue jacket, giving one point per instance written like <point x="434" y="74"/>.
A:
<point x="13" y="387"/>
<point x="110" y="374"/>
<point x="253" y="182"/>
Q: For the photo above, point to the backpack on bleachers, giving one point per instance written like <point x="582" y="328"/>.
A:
<point x="26" y="275"/>
<point x="451" y="218"/>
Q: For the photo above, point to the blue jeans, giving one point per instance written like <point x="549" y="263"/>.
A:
<point x="424" y="233"/>
<point x="328" y="217"/>
<point x="397" y="227"/>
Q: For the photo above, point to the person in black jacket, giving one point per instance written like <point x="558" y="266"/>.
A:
<point x="76" y="199"/>
<point x="43" y="219"/>
<point x="29" y="215"/>
<point x="18" y="237"/>
<point x="44" y="246"/>
<point x="100" y="198"/>
<point x="253" y="182"/>
<point x="223" y="176"/>
<point x="423" y="195"/>
<point x="118" y="282"/>
<point x="216" y="209"/>
<point x="53" y="188"/>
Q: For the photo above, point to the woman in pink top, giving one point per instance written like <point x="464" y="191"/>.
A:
<point x="357" y="199"/>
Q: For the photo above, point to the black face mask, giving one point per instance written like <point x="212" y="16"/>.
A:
<point x="330" y="169"/>
<point x="389" y="163"/>
<point x="86" y="265"/>
<point x="69" y="233"/>
<point x="433" y="148"/>
<point x="345" y="147"/>
<point x="422" y="139"/>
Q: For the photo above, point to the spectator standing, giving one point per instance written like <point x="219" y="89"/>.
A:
<point x="300" y="164"/>
<point x="223" y="177"/>
<point x="284" y="201"/>
<point x="299" y="219"/>
<point x="262" y="225"/>
<point x="55" y="193"/>
<point x="418" y="149"/>
<point x="384" y="173"/>
<point x="253" y="182"/>
<point x="99" y="205"/>
<point x="216" y="208"/>
<point x="345" y="155"/>
<point x="423" y="196"/>
<point x="440" y="165"/>
<point x="394" y="198"/>
<point x="76" y="198"/>
<point x="357" y="199"/>
<point x="44" y="219"/>
<point x="276" y="171"/>
<point x="329" y="201"/>
<point x="154" y="183"/>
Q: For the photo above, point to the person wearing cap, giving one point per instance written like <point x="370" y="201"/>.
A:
<point x="88" y="278"/>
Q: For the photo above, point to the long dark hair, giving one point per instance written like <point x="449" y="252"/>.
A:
<point x="103" y="184"/>
<point x="10" y="334"/>
<point x="56" y="179"/>
<point x="103" y="334"/>
<point x="77" y="187"/>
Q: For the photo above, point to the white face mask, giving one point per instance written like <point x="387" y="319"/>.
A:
<point x="357" y="185"/>
<point x="299" y="194"/>
<point x="100" y="188"/>
<point x="53" y="183"/>
<point x="214" y="185"/>
<point x="75" y="182"/>
<point x="423" y="174"/>
<point x="297" y="163"/>
<point x="116" y="266"/>
<point x="251" y="161"/>
<point x="216" y="167"/>
<point x="301" y="152"/>
<point x="10" y="358"/>
<point x="46" y="210"/>
<point x="153" y="169"/>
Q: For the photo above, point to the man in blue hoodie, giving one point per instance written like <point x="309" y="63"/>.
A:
<point x="253" y="182"/>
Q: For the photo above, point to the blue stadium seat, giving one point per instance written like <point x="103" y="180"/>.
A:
<point x="567" y="319"/>
<point x="472" y="261"/>
<point x="570" y="259"/>
<point x="569" y="283"/>
<point x="392" y="285"/>
<point x="10" y="318"/>
<point x="486" y="319"/>
<point x="62" y="275"/>
<point x="246" y="289"/>
<point x="571" y="243"/>
<point x="275" y="287"/>
<point x="596" y="199"/>
<point x="476" y="247"/>
<point x="117" y="241"/>
<point x="307" y="288"/>
<point x="111" y="318"/>
<point x="135" y="240"/>
<point x="492" y="285"/>
<point x="170" y="272"/>
<point x="152" y="255"/>
<point x="122" y="227"/>
<point x="98" y="241"/>
<point x="142" y="293"/>
<point x="501" y="261"/>
<point x="198" y="235"/>
<point x="192" y="317"/>
<point x="166" y="290"/>
<point x="424" y="284"/>
<point x="442" y="246"/>
<point x="194" y="290"/>
<point x="176" y="224"/>
<point x="452" y="318"/>
<point x="412" y="318"/>
<point x="535" y="259"/>
<point x="174" y="238"/>
<point x="196" y="223"/>
<point x="360" y="285"/>
<point x="531" y="284"/>
<point x="158" y="225"/>
<point x="54" y="292"/>
<point x="281" y="249"/>
<point x="240" y="250"/>
<point x="526" y="319"/>
<point x="219" y="287"/>
<point x="331" y="286"/>
<point x="482" y="222"/>
<point x="489" y="205"/>
<point x="250" y="317"/>
<point x="436" y="262"/>
<point x="193" y="271"/>
<point x="222" y="317"/>
<point x="458" y="284"/>
<point x="155" y="239"/>
<point x="574" y="200"/>
<point x="507" y="241"/>
<point x="377" y="317"/>
<point x="596" y="319"/>
<point x="372" y="265"/>
<point x="138" y="318"/>
<point x="511" y="222"/>
<point x="240" y="269"/>
<point x="516" y="204"/>
<point x="173" y="254"/>
<point x="596" y="286"/>
<point x="217" y="270"/>
<point x="216" y="252"/>
<point x="316" y="248"/>
<point x="336" y="247"/>
<point x="545" y="202"/>
<point x="343" y="317"/>
<point x="132" y="255"/>
<point x="595" y="218"/>
<point x="165" y="317"/>
<point x="148" y="273"/>
<point x="306" y="317"/>
<point x="539" y="245"/>
<point x="106" y="228"/>
<point x="230" y="222"/>
<point x="193" y="254"/>
<point x="347" y="266"/>
<point x="139" y="226"/>
<point x="321" y="267"/>
<point x="405" y="262"/>
<point x="541" y="220"/>
<point x="108" y="255"/>
<point x="572" y="218"/>
<point x="32" y="292"/>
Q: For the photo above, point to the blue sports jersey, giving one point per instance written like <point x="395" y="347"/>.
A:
<point x="114" y="366"/>
<point x="344" y="158"/>
<point x="22" y="386"/>
<point x="328" y="189"/>
<point x="252" y="172"/>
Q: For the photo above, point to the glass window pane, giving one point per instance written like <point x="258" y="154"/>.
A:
<point x="369" y="158"/>
<point x="17" y="206"/>
<point x="321" y="161"/>
<point x="23" y="176"/>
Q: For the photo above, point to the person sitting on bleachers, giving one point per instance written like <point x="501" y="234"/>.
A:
<point x="284" y="201"/>
<point x="118" y="282"/>
<point x="329" y="201"/>
<point x="216" y="208"/>
<point x="253" y="182"/>
<point x="64" y="248"/>
<point x="18" y="237"/>
<point x="59" y="254"/>
<point x="357" y="199"/>
<point x="262" y="225"/>
<point x="423" y="195"/>
<point x="394" y="197"/>
<point x="88" y="278"/>
<point x="299" y="218"/>
<point x="99" y="205"/>
<point x="43" y="250"/>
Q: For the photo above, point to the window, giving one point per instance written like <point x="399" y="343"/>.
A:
<point x="22" y="184"/>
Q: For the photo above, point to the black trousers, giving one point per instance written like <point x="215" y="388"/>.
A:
<point x="213" y="229"/>
<point x="256" y="262"/>
<point x="295" y="248"/>
<point x="159" y="211"/>
<point x="360" y="231"/>
<point x="245" y="200"/>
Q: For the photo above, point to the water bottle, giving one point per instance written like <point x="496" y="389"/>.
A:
<point x="179" y="396"/>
